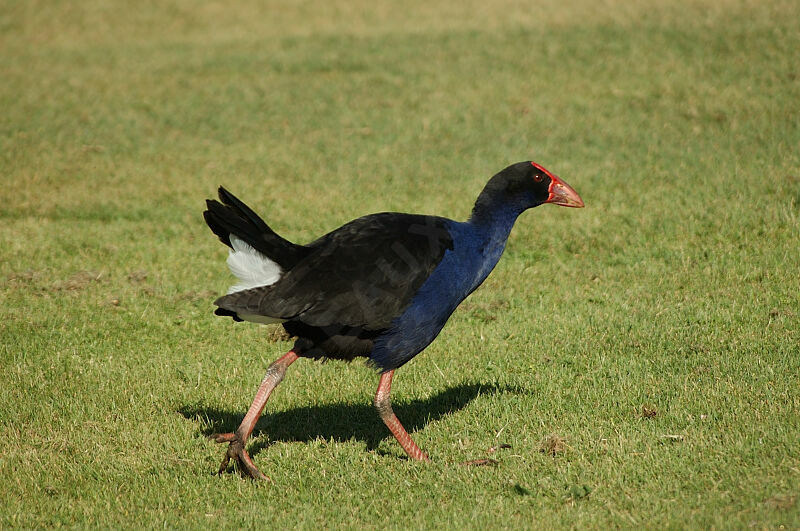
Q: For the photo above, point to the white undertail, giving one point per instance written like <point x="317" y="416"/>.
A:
<point x="251" y="267"/>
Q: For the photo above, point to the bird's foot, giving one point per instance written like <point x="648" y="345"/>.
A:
<point x="480" y="462"/>
<point x="487" y="461"/>
<point x="237" y="452"/>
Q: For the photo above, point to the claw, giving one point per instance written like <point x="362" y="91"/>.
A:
<point x="237" y="452"/>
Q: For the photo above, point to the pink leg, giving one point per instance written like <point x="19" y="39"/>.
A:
<point x="383" y="404"/>
<point x="238" y="439"/>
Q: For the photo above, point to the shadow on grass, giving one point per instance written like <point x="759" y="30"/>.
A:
<point x="340" y="422"/>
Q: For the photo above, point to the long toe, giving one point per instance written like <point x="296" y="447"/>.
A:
<point x="222" y="437"/>
<point x="481" y="462"/>
<point x="224" y="465"/>
<point x="247" y="466"/>
<point x="240" y="456"/>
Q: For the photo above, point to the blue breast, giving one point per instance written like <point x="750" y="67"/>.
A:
<point x="475" y="252"/>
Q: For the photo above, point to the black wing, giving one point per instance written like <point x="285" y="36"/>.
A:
<point x="363" y="274"/>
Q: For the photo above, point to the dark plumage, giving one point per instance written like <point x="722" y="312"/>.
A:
<point x="380" y="287"/>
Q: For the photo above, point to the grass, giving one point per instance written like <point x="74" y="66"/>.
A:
<point x="641" y="357"/>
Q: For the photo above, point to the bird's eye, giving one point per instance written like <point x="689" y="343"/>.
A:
<point x="537" y="177"/>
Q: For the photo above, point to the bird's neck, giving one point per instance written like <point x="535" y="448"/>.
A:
<point x="494" y="218"/>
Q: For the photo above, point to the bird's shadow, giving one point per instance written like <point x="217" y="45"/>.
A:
<point x="341" y="422"/>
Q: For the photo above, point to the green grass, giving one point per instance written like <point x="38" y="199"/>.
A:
<point x="677" y="289"/>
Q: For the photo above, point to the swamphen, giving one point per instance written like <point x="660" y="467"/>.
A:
<point x="380" y="287"/>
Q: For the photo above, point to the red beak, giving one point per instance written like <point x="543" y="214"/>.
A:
<point x="562" y="194"/>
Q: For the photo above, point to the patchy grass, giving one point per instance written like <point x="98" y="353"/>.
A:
<point x="553" y="445"/>
<point x="655" y="331"/>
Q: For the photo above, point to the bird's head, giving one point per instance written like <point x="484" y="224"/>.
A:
<point x="522" y="186"/>
<point x="537" y="184"/>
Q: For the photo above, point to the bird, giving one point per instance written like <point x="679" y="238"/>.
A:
<point x="380" y="287"/>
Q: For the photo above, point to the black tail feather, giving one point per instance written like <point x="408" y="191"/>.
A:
<point x="244" y="211"/>
<point x="232" y="216"/>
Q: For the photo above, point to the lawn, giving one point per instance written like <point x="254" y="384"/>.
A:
<point x="641" y="357"/>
